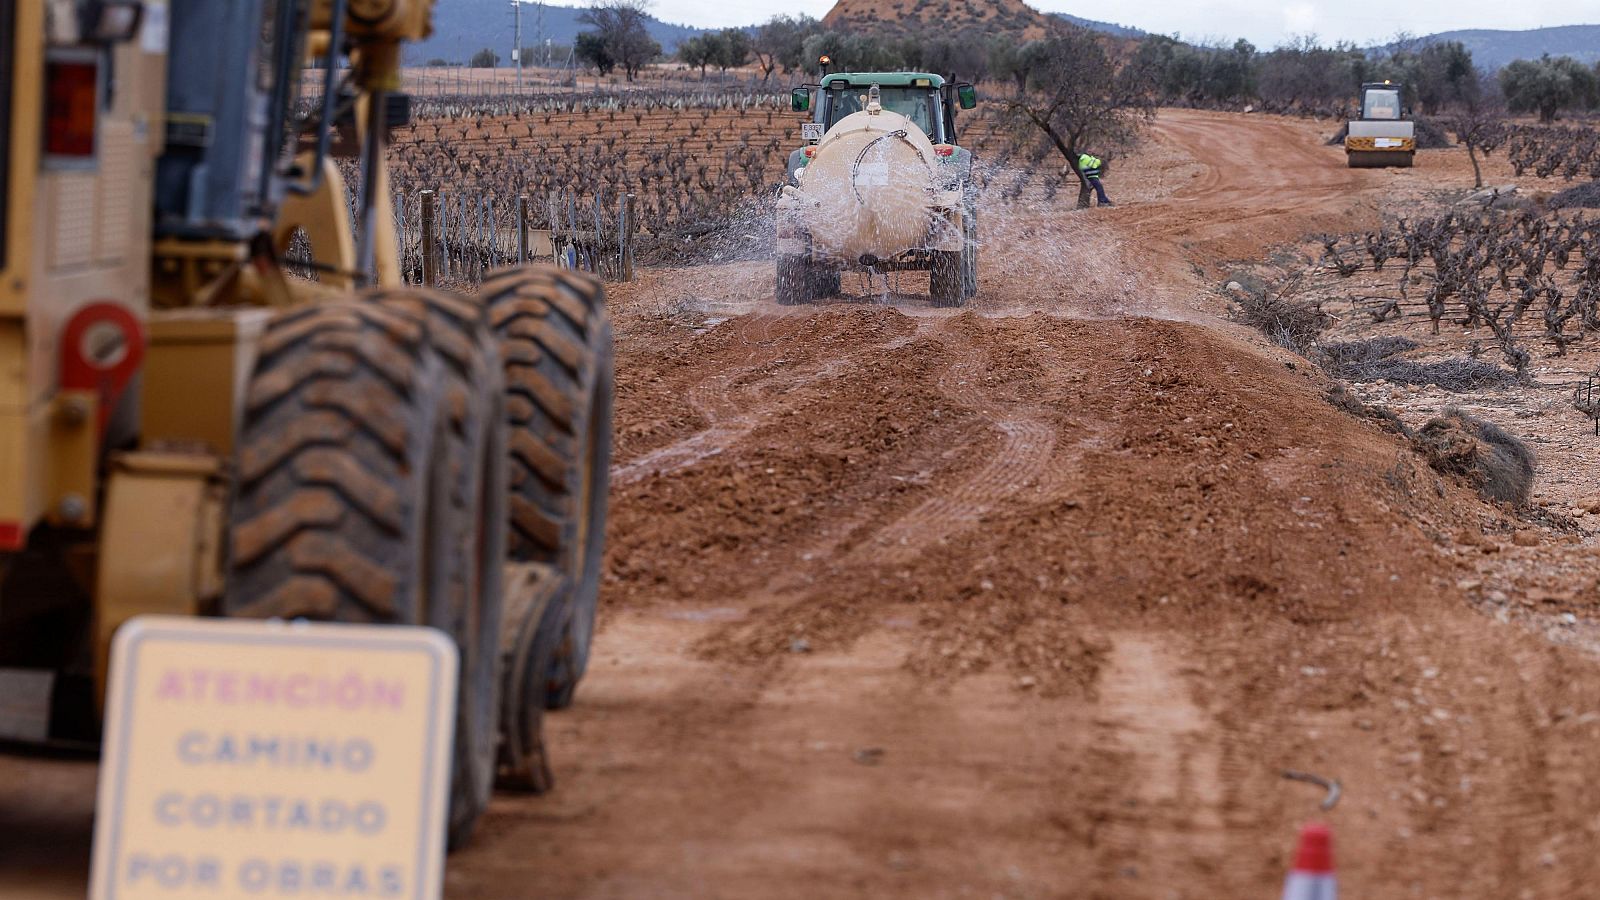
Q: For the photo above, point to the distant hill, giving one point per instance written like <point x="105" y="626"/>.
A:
<point x="1122" y="31"/>
<point x="1493" y="49"/>
<point x="463" y="27"/>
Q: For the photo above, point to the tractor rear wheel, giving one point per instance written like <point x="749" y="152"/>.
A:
<point x="555" y="344"/>
<point x="947" y="278"/>
<point x="969" y="254"/>
<point x="371" y="489"/>
<point x="825" y="282"/>
<point x="795" y="284"/>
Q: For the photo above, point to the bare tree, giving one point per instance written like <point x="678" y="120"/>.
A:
<point x="1480" y="127"/>
<point x="1081" y="102"/>
<point x="781" y="42"/>
<point x="619" y="28"/>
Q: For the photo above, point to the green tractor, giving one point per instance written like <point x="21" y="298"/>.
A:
<point x="880" y="186"/>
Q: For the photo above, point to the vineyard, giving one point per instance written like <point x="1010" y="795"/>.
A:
<point x="700" y="168"/>
<point x="1522" y="276"/>
<point x="1568" y="151"/>
<point x="1544" y="151"/>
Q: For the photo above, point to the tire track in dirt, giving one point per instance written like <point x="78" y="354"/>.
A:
<point x="731" y="419"/>
<point x="1029" y="444"/>
<point x="1169" y="821"/>
<point x="1020" y="444"/>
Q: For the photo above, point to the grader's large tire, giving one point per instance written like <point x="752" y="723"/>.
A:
<point x="537" y="618"/>
<point x="555" y="342"/>
<point x="947" y="279"/>
<point x="372" y="488"/>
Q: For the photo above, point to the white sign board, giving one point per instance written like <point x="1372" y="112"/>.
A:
<point x="274" y="759"/>
<point x="811" y="131"/>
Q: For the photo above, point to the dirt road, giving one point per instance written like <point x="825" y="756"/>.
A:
<point x="1037" y="599"/>
<point x="1040" y="600"/>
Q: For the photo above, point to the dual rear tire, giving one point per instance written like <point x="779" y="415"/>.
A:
<point x="397" y="449"/>
<point x="801" y="281"/>
<point x="952" y="276"/>
<point x="953" y="279"/>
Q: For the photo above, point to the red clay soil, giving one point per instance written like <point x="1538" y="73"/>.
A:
<point x="1041" y="602"/>
<point x="1040" y="598"/>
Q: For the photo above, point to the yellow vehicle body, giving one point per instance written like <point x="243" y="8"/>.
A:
<point x="187" y="429"/>
<point x="78" y="235"/>
<point x="1384" y="135"/>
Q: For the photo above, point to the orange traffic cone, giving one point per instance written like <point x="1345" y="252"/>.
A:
<point x="1312" y="876"/>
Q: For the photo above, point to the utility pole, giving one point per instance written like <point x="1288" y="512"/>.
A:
<point x="538" y="30"/>
<point x="516" y="46"/>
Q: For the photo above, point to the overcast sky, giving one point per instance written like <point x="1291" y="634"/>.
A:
<point x="1265" y="22"/>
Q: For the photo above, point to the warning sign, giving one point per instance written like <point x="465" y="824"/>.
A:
<point x="268" y="759"/>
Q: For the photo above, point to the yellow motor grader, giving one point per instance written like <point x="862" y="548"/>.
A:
<point x="185" y="428"/>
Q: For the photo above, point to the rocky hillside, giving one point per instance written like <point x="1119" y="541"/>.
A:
<point x="1011" y="16"/>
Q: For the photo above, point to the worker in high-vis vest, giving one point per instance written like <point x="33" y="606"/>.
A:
<point x="1089" y="168"/>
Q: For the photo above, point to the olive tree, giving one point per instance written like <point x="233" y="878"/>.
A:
<point x="731" y="48"/>
<point x="1549" y="85"/>
<point x="1079" y="101"/>
<point x="698" y="52"/>
<point x="617" y="30"/>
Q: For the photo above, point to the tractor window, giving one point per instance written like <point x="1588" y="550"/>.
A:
<point x="8" y="11"/>
<point x="1381" y="104"/>
<point x="920" y="105"/>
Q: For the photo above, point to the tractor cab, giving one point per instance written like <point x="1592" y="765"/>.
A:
<point x="924" y="98"/>
<point x="918" y="98"/>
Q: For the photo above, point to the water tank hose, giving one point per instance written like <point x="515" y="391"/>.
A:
<point x="855" y="167"/>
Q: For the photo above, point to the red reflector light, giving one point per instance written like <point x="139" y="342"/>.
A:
<point x="102" y="346"/>
<point x="71" y="98"/>
<point x="944" y="149"/>
<point x="810" y="152"/>
<point x="11" y="536"/>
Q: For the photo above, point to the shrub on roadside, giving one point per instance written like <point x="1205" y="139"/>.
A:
<point x="1497" y="464"/>
<point x="1379" y="358"/>
<point x="1288" y="322"/>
